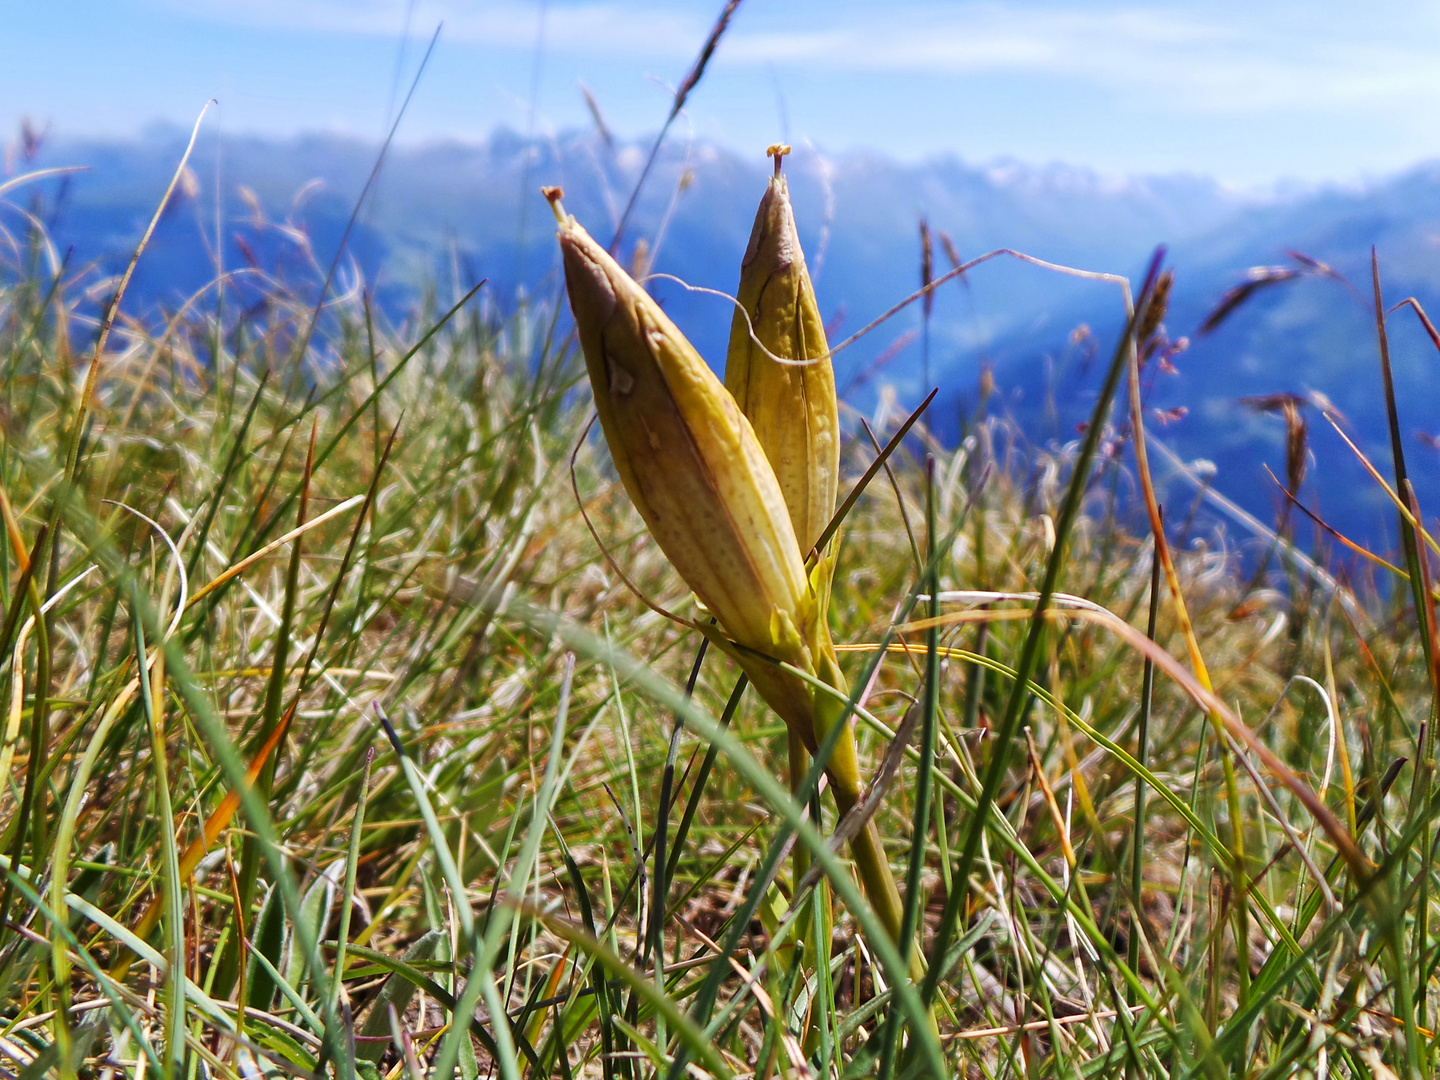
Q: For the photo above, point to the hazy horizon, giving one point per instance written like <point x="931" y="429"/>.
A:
<point x="1255" y="96"/>
<point x="450" y="218"/>
<point x="996" y="165"/>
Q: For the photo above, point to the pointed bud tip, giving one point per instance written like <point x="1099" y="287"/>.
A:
<point x="592" y="277"/>
<point x="773" y="236"/>
<point x="555" y="194"/>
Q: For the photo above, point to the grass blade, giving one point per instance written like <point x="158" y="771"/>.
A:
<point x="1019" y="696"/>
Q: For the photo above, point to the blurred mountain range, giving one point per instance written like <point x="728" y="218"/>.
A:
<point x="440" y="217"/>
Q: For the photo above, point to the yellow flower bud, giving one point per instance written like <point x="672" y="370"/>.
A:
<point x="791" y="405"/>
<point x="697" y="474"/>
<point x="688" y="458"/>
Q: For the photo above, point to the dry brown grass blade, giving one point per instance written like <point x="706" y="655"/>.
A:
<point x="856" y="818"/>
<point x="255" y="556"/>
<point x="1037" y="769"/>
<point x="40" y="174"/>
<point x="1334" y="533"/>
<point x="1427" y="614"/>
<point x="1157" y="529"/>
<point x="1219" y="715"/>
<point x="12" y="530"/>
<point x="1201" y="694"/>
<point x="22" y="588"/>
<point x="1400" y="505"/>
<point x="1415" y="306"/>
<point x="87" y="395"/>
<point x="217" y="822"/>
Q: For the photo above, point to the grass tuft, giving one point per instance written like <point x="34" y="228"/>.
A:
<point x="334" y="742"/>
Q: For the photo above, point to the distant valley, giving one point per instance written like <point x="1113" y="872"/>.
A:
<point x="443" y="216"/>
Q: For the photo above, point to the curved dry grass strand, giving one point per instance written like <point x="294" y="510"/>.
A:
<point x="87" y="394"/>
<point x="1202" y="695"/>
<point x="178" y="564"/>
<point x="255" y="556"/>
<point x="1375" y="475"/>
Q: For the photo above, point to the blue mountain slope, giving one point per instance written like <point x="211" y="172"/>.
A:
<point x="1310" y="334"/>
<point x="447" y="215"/>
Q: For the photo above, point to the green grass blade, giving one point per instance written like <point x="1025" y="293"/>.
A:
<point x="1019" y="696"/>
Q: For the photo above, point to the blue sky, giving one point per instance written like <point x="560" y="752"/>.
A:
<point x="1254" y="93"/>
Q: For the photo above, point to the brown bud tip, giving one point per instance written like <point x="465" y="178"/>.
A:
<point x="555" y="194"/>
<point x="777" y="151"/>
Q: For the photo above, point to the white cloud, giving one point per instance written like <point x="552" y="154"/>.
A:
<point x="1270" y="59"/>
<point x="1227" y="58"/>
<point x="601" y="26"/>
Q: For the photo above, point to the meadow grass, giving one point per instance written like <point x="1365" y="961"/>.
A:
<point x="352" y="708"/>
